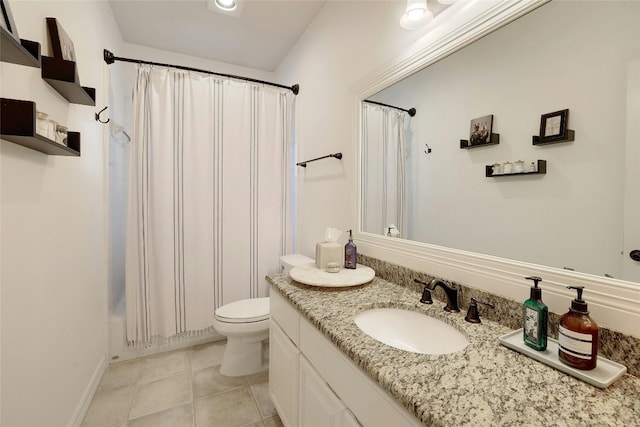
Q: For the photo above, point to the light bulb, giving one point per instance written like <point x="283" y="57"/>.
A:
<point x="410" y="24"/>
<point x="226" y="4"/>
<point x="416" y="9"/>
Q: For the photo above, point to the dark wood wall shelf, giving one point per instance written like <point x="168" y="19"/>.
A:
<point x="63" y="76"/>
<point x="18" y="125"/>
<point x="495" y="139"/>
<point x="571" y="136"/>
<point x="25" y="52"/>
<point x="541" y="169"/>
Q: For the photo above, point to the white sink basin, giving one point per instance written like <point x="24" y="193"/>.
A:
<point x="411" y="331"/>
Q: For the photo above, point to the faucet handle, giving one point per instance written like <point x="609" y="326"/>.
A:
<point x="472" y="313"/>
<point x="426" y="296"/>
<point x="426" y="293"/>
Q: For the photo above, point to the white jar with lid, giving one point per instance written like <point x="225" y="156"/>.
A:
<point x="507" y="167"/>
<point x="518" y="166"/>
<point x="51" y="129"/>
<point x="496" y="169"/>
<point x="42" y="123"/>
<point x="61" y="135"/>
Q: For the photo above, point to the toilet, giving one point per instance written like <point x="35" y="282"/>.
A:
<point x="245" y="323"/>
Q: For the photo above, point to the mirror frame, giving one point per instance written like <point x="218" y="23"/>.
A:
<point x="614" y="304"/>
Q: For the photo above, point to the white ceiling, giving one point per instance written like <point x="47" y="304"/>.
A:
<point x="259" y="38"/>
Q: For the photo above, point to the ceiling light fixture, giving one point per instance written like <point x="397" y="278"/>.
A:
<point x="416" y="15"/>
<point x="226" y="7"/>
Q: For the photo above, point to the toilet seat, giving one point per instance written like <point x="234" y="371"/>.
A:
<point x="244" y="311"/>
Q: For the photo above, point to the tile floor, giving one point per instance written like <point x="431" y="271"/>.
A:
<point x="180" y="388"/>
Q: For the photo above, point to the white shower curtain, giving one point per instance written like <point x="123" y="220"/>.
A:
<point x="209" y="198"/>
<point x="383" y="169"/>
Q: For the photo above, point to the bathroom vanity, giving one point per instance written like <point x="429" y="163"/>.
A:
<point x="325" y="371"/>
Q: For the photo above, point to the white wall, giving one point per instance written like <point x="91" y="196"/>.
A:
<point x="53" y="238"/>
<point x="344" y="42"/>
<point x="518" y="73"/>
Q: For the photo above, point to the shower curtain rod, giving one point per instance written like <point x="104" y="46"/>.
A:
<point x="411" y="111"/>
<point x="109" y="58"/>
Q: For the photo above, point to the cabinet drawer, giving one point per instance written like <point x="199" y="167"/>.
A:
<point x="286" y="316"/>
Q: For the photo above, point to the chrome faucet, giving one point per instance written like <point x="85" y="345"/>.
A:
<point x="451" y="293"/>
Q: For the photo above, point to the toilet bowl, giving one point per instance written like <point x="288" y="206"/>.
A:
<point x="245" y="323"/>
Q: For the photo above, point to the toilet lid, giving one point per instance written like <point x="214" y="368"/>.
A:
<point x="244" y="311"/>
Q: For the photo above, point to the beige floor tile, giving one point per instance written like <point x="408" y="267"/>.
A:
<point x="181" y="416"/>
<point x="273" y="422"/>
<point x="120" y="375"/>
<point x="230" y="409"/>
<point x="261" y="393"/>
<point x="162" y="394"/>
<point x="109" y="407"/>
<point x="209" y="381"/>
<point x="207" y="355"/>
<point x="259" y="378"/>
<point x="164" y="365"/>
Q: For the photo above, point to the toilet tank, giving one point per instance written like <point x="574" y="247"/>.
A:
<point x="287" y="262"/>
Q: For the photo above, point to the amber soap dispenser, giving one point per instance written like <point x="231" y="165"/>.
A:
<point x="578" y="335"/>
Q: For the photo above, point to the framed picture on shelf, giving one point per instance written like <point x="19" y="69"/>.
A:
<point x="7" y="20"/>
<point x="61" y="44"/>
<point x="553" y="126"/>
<point x="481" y="130"/>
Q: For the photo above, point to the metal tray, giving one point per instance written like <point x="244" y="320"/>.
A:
<point x="604" y="374"/>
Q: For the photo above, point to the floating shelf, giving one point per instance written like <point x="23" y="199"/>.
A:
<point x="63" y="77"/>
<point x="541" y="169"/>
<point x="495" y="139"/>
<point x="18" y="125"/>
<point x="571" y="136"/>
<point x="25" y="52"/>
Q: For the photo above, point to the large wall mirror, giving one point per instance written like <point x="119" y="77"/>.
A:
<point x="583" y="214"/>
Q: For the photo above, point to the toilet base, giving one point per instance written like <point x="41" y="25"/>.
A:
<point x="245" y="356"/>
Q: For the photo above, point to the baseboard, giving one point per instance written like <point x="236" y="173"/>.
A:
<point x="155" y="348"/>
<point x="87" y="396"/>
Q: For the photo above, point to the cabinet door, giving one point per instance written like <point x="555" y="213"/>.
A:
<point x="319" y="406"/>
<point x="349" y="420"/>
<point x="283" y="375"/>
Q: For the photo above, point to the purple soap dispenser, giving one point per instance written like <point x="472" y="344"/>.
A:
<point x="350" y="253"/>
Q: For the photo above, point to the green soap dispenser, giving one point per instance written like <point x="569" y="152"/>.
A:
<point x="535" y="317"/>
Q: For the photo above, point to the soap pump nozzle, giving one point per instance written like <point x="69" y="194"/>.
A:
<point x="536" y="292"/>
<point x="578" y="304"/>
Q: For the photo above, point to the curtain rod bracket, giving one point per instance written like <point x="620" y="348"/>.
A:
<point x="335" y="156"/>
<point x="108" y="57"/>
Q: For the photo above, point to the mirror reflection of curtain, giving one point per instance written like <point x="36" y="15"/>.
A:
<point x="209" y="211"/>
<point x="383" y="169"/>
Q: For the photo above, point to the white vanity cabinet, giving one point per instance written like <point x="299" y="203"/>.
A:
<point x="318" y="404"/>
<point x="311" y="383"/>
<point x="284" y="358"/>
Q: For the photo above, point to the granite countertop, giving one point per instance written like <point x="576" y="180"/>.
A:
<point x="484" y="384"/>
